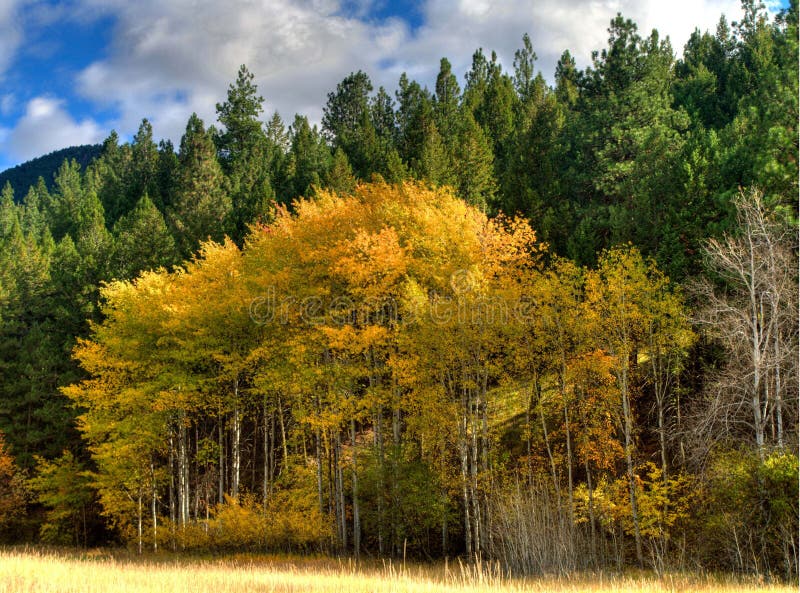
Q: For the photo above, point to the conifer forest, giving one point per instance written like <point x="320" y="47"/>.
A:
<point x="552" y="326"/>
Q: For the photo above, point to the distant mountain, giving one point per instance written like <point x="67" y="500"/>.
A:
<point x="23" y="176"/>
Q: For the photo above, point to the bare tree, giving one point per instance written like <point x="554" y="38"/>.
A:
<point x="752" y="310"/>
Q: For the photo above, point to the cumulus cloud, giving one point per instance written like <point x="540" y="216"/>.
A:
<point x="168" y="59"/>
<point x="45" y="127"/>
<point x="10" y="33"/>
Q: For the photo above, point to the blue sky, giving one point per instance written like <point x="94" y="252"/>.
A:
<point x="72" y="71"/>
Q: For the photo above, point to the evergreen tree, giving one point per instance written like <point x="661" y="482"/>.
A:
<point x="414" y="111"/>
<point x="566" y="80"/>
<point x="244" y="152"/>
<point x="347" y="124"/>
<point x="167" y="173"/>
<point x="475" y="181"/>
<point x="339" y="178"/>
<point x="477" y="79"/>
<point x="446" y="104"/>
<point x="309" y="158"/>
<point x="63" y="209"/>
<point x="144" y="177"/>
<point x="525" y="71"/>
<point x="201" y="209"/>
<point x="278" y="143"/>
<point x="110" y="174"/>
<point x="142" y="241"/>
<point x="435" y="164"/>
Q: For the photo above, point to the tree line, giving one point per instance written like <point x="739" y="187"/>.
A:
<point x="195" y="356"/>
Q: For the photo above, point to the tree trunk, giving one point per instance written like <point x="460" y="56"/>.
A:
<point x="318" y="452"/>
<point x="381" y="471"/>
<point x="592" y="520"/>
<point x="477" y="539"/>
<point x="183" y="475"/>
<point x="341" y="518"/>
<point x="778" y="390"/>
<point x="221" y="466"/>
<point x="356" y="516"/>
<point x="265" y="482"/>
<point x="283" y="435"/>
<point x="628" y="430"/>
<point x="236" y="444"/>
<point x="172" y="505"/>
<point x="154" y="505"/>
<point x="139" y="521"/>
<point x="463" y="447"/>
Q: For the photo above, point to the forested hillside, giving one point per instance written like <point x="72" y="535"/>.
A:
<point x="553" y="326"/>
<point x="27" y="174"/>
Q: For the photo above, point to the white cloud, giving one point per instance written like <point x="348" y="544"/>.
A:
<point x="45" y="127"/>
<point x="10" y="33"/>
<point x="183" y="54"/>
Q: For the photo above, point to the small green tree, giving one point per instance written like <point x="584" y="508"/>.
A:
<point x="62" y="486"/>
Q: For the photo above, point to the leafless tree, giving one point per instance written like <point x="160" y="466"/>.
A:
<point x="750" y="306"/>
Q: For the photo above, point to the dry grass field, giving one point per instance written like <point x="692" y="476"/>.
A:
<point x="50" y="572"/>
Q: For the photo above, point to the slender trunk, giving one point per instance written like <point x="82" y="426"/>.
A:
<point x="139" y="522"/>
<point x="569" y="462"/>
<point x="265" y="483"/>
<point x="186" y="481"/>
<point x="485" y="492"/>
<point x="444" y="516"/>
<point x="662" y="437"/>
<point x="476" y="509"/>
<point x="341" y="509"/>
<point x="183" y="501"/>
<point x="272" y="460"/>
<point x="172" y="509"/>
<point x="196" y="472"/>
<point x="465" y="490"/>
<point x="154" y="506"/>
<point x="381" y="470"/>
<point x="661" y="380"/>
<point x="283" y="435"/>
<point x="221" y="465"/>
<point x="756" y="321"/>
<point x="395" y="478"/>
<point x="236" y="444"/>
<point x="354" y="475"/>
<point x="628" y="430"/>
<point x="463" y="447"/>
<point x="679" y="427"/>
<point x="318" y="451"/>
<point x="562" y="383"/>
<point x="529" y="432"/>
<point x="553" y="471"/>
<point x="778" y="389"/>
<point x="592" y="521"/>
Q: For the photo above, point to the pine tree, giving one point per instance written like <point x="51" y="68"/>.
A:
<point x="244" y="152"/>
<point x="446" y="104"/>
<point x="566" y="80"/>
<point x="309" y="158"/>
<point x="435" y="164"/>
<point x="142" y="241"/>
<point x="346" y="122"/>
<point x="339" y="178"/>
<point x="475" y="181"/>
<point x="201" y="208"/>
<point x="414" y="111"/>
